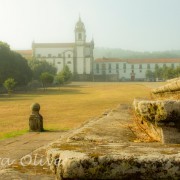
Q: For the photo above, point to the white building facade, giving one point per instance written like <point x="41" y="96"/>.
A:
<point x="109" y="69"/>
<point x="78" y="56"/>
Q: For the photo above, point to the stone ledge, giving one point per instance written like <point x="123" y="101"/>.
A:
<point x="172" y="86"/>
<point x="160" y="119"/>
<point x="77" y="165"/>
<point x="106" y="148"/>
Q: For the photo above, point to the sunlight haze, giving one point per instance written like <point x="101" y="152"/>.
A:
<point x="141" y="25"/>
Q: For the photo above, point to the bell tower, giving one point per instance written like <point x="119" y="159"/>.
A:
<point x="80" y="44"/>
<point x="80" y="33"/>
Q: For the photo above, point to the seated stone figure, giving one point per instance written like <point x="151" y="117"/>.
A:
<point x="35" y="119"/>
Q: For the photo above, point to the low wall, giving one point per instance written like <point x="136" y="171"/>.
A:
<point x="78" y="165"/>
<point x="108" y="148"/>
<point x="160" y="119"/>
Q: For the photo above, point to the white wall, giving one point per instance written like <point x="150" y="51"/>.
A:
<point x="59" y="62"/>
<point x="80" y="59"/>
<point x="52" y="51"/>
<point x="88" y="66"/>
<point x="126" y="73"/>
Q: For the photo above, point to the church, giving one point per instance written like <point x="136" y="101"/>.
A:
<point x="78" y="55"/>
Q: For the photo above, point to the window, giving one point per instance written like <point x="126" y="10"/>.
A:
<point x="69" y="55"/>
<point x="124" y="70"/>
<point x="103" y="67"/>
<point x="109" y="67"/>
<point x="117" y="66"/>
<point x="140" y="66"/>
<point x="69" y="62"/>
<point x="97" y="70"/>
<point x="156" y="66"/>
<point x="132" y="66"/>
<point x="109" y="70"/>
<point x="117" y="71"/>
<point x="49" y="55"/>
<point x="58" y="62"/>
<point x="132" y="71"/>
<point x="140" y="70"/>
<point x="97" y="66"/>
<point x="79" y="36"/>
<point x="59" y="55"/>
<point x="148" y="66"/>
<point x="124" y="66"/>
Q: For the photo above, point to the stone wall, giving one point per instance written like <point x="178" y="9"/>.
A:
<point x="78" y="165"/>
<point x="160" y="119"/>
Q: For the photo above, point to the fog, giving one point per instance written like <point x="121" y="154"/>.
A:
<point x="139" y="25"/>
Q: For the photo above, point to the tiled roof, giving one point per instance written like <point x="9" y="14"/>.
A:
<point x="138" y="61"/>
<point x="24" y="52"/>
<point x="56" y="45"/>
<point x="52" y="45"/>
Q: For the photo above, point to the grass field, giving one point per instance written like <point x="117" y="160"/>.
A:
<point x="67" y="107"/>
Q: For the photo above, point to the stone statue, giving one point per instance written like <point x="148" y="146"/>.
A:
<point x="35" y="119"/>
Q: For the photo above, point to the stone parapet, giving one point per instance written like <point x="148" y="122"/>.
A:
<point x="78" y="165"/>
<point x="111" y="147"/>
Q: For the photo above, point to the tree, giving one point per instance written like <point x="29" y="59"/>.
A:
<point x="169" y="73"/>
<point x="13" y="65"/>
<point x="46" y="78"/>
<point x="9" y="84"/>
<point x="66" y="73"/>
<point x="150" y="75"/>
<point x="39" y="67"/>
<point x="158" y="72"/>
<point x="59" y="79"/>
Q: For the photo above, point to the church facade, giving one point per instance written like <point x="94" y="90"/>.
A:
<point x="78" y="55"/>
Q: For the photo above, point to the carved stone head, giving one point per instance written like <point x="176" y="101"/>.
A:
<point x="35" y="107"/>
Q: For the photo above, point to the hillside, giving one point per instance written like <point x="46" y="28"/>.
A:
<point x="128" y="54"/>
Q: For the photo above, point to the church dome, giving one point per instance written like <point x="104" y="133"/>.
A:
<point x="80" y="25"/>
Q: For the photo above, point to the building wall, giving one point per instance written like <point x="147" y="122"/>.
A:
<point x="88" y="65"/>
<point x="80" y="59"/>
<point x="59" y="57"/>
<point x="125" y="71"/>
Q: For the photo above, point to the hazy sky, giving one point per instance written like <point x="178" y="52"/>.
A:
<point x="143" y="25"/>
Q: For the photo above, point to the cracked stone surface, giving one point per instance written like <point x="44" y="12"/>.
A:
<point x="113" y="147"/>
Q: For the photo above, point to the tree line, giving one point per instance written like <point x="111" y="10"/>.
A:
<point x="163" y="73"/>
<point x="127" y="54"/>
<point x="15" y="70"/>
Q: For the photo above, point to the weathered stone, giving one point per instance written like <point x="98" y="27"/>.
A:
<point x="76" y="165"/>
<point x="172" y="86"/>
<point x="159" y="117"/>
<point x="35" y="119"/>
